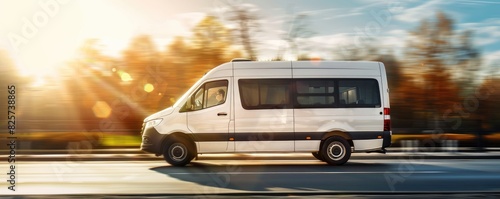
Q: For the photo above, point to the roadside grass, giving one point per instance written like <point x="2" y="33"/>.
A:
<point x="120" y="141"/>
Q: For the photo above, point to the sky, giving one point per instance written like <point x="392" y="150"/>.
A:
<point x="41" y="35"/>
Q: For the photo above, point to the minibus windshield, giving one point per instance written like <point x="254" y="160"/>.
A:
<point x="186" y="94"/>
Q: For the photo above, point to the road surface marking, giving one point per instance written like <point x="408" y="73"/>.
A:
<point x="314" y="172"/>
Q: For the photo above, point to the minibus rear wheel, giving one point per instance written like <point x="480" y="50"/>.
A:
<point x="177" y="152"/>
<point x="336" y="150"/>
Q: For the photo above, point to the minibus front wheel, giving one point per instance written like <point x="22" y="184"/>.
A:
<point x="336" y="150"/>
<point x="177" y="152"/>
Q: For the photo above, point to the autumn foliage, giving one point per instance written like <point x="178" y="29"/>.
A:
<point x="437" y="72"/>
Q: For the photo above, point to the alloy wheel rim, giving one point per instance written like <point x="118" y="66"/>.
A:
<point x="178" y="152"/>
<point x="336" y="150"/>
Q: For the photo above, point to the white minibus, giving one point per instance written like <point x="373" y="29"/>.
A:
<point x="327" y="108"/>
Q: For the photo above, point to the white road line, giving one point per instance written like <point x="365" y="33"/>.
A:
<point x="314" y="172"/>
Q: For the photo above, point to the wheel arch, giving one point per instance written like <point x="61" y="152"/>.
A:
<point x="347" y="136"/>
<point x="179" y="135"/>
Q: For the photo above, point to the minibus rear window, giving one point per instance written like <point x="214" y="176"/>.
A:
<point x="359" y="93"/>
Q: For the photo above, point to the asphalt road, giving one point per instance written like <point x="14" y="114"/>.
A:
<point x="282" y="177"/>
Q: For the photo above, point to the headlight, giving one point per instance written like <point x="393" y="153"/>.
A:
<point x="152" y="123"/>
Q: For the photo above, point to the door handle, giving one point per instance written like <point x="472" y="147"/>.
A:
<point x="221" y="114"/>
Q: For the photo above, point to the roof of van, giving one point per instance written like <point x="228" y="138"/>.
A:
<point x="313" y="61"/>
<point x="303" y="68"/>
<point x="299" y="64"/>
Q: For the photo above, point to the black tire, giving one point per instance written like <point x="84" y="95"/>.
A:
<point x="336" y="150"/>
<point x="178" y="152"/>
<point x="318" y="156"/>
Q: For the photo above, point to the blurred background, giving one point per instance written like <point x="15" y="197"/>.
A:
<point x="88" y="72"/>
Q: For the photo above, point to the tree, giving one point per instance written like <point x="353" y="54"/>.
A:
<point x="95" y="70"/>
<point x="368" y="50"/>
<point x="247" y="23"/>
<point x="392" y="68"/>
<point x="468" y="61"/>
<point x="179" y="51"/>
<point x="210" y="42"/>
<point x="140" y="54"/>
<point x="429" y="55"/>
<point x="489" y="96"/>
<point x="297" y="27"/>
<point x="177" y="61"/>
<point x="407" y="104"/>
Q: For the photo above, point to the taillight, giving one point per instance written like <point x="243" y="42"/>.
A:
<point x="387" y="119"/>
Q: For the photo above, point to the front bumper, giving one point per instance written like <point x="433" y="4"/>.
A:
<point x="151" y="141"/>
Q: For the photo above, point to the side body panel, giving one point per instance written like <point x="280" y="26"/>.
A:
<point x="263" y="130"/>
<point x="314" y="122"/>
<point x="210" y="126"/>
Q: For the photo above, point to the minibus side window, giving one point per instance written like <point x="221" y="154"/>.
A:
<point x="215" y="94"/>
<point x="315" y="93"/>
<point x="208" y="95"/>
<point x="359" y="93"/>
<point x="197" y="101"/>
<point x="265" y="93"/>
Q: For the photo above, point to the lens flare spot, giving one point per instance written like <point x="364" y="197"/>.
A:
<point x="125" y="76"/>
<point x="149" y="87"/>
<point x="101" y="109"/>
